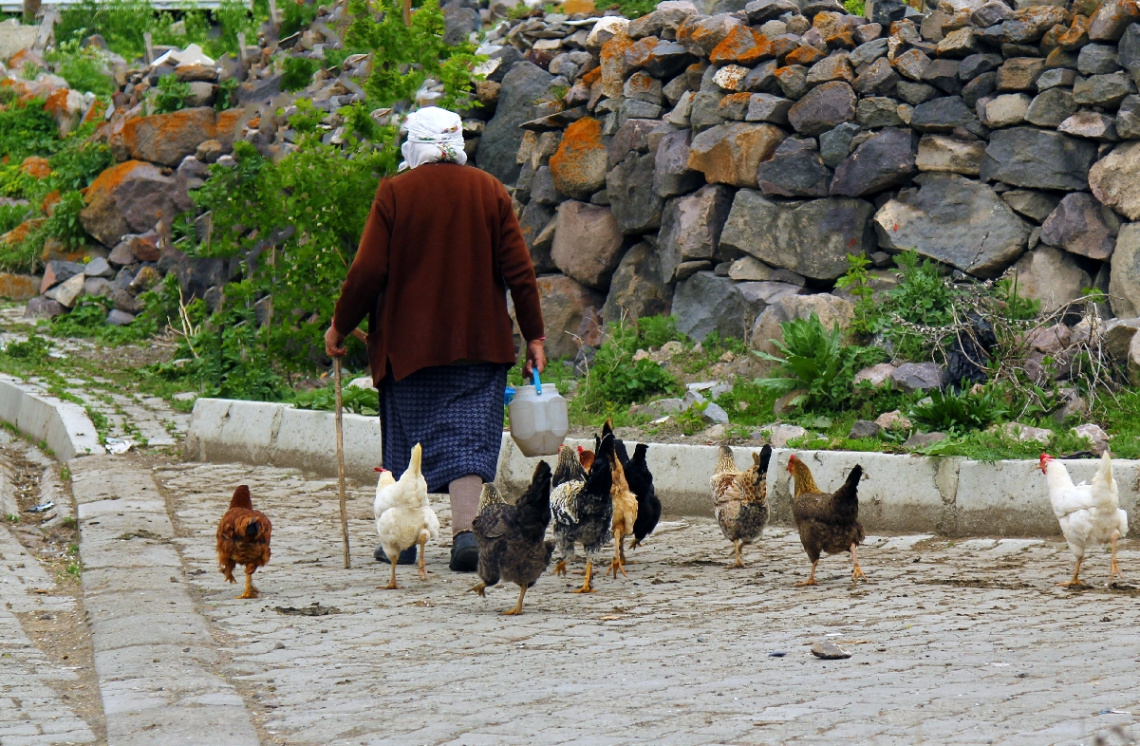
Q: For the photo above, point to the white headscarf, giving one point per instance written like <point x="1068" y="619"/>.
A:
<point x="434" y="134"/>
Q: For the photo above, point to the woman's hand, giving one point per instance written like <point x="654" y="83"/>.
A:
<point x="334" y="343"/>
<point x="535" y="358"/>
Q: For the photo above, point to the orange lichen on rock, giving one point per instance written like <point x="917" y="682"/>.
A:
<point x="166" y="138"/>
<point x="50" y="200"/>
<point x="96" y="112"/>
<point x="805" y="55"/>
<point x="18" y="287"/>
<point x="36" y="167"/>
<point x="20" y="233"/>
<point x="743" y="46"/>
<point x="578" y="167"/>
<point x="56" y="102"/>
<point x="570" y="7"/>
<point x="613" y="63"/>
<point x="106" y="182"/>
<point x="593" y="76"/>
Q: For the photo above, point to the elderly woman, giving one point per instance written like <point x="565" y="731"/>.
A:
<point x="439" y="251"/>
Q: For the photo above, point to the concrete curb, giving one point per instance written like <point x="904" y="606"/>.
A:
<point x="906" y="493"/>
<point x="63" y="425"/>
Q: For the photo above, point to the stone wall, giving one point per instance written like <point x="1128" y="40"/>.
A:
<point x="717" y="163"/>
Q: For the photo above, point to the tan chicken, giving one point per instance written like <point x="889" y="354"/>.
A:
<point x="740" y="499"/>
<point x="625" y="508"/>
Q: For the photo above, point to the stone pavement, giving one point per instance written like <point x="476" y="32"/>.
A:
<point x="33" y="700"/>
<point x="951" y="642"/>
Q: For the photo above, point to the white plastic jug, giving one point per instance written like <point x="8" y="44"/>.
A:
<point x="539" y="420"/>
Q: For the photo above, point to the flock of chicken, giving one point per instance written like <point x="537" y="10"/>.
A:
<point x="591" y="496"/>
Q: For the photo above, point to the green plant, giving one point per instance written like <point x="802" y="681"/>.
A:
<point x="405" y="56"/>
<point x="171" y="96"/>
<point x="922" y="298"/>
<point x="11" y="216"/>
<point x="634" y="8"/>
<point x="616" y="380"/>
<point x="26" y="129"/>
<point x="355" y="399"/>
<point x="34" y="349"/>
<point x="84" y="68"/>
<point x="307" y="117"/>
<point x="963" y="411"/>
<point x="227" y="94"/>
<point x="1015" y="306"/>
<point x="692" y="420"/>
<point x="64" y="224"/>
<point x="12" y="518"/>
<point x="65" y="475"/>
<point x="857" y="281"/>
<point x="298" y="73"/>
<point x="297" y="15"/>
<point x="78" y="161"/>
<point x="816" y="363"/>
<point x="855" y="7"/>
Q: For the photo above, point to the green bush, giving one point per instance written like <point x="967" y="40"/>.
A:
<point x="963" y="411"/>
<point x="354" y="398"/>
<point x="615" y="380"/>
<point x="816" y="362"/>
<point x="64" y="224"/>
<point x="855" y="7"/>
<point x="11" y="216"/>
<point x="171" y="95"/>
<point x="26" y="129"/>
<point x="296" y="16"/>
<point x="298" y="73"/>
<point x="84" y="69"/>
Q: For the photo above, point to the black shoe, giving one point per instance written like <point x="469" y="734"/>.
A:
<point x="464" y="552"/>
<point x="407" y="557"/>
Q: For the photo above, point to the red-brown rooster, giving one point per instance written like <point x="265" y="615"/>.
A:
<point x="243" y="539"/>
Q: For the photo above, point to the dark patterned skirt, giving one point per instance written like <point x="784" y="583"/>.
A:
<point x="454" y="411"/>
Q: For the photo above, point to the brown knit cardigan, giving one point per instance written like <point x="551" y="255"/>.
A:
<point x="439" y="251"/>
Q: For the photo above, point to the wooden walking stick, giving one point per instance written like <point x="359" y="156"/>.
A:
<point x="340" y="461"/>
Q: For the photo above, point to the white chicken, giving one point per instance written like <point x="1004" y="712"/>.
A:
<point x="1089" y="514"/>
<point x="403" y="515"/>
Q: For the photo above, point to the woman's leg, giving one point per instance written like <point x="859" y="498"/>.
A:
<point x="464" y="501"/>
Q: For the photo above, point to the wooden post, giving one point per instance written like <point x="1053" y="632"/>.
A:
<point x="340" y="461"/>
<point x="241" y="56"/>
<point x="149" y="47"/>
<point x="407" y="12"/>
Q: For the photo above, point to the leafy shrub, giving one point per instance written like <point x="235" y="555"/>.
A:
<point x="1014" y="305"/>
<point x="855" y="7"/>
<point x="298" y="73"/>
<point x="227" y="94"/>
<point x="307" y="117"/>
<point x="34" y="349"/>
<point x="947" y="410"/>
<point x="171" y="95"/>
<point x="64" y="225"/>
<point x="26" y="129"/>
<point x="296" y="15"/>
<point x="354" y="398"/>
<point x="634" y="8"/>
<point x="816" y="361"/>
<point x="405" y="56"/>
<point x="84" y="68"/>
<point x="11" y="216"/>
<point x="79" y="160"/>
<point x="615" y="381"/>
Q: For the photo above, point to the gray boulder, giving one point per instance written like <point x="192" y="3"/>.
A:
<point x="1051" y="276"/>
<point x="498" y="147"/>
<point x="671" y="173"/>
<point x="793" y="171"/>
<point x="884" y="160"/>
<point x="1051" y="107"/>
<point x="1128" y="118"/>
<point x="637" y="289"/>
<point x="705" y="303"/>
<point x="823" y="108"/>
<point x="691" y="227"/>
<point x="1083" y="226"/>
<point x="954" y="220"/>
<point x="1124" y="275"/>
<point x="635" y="208"/>
<point x="1028" y="157"/>
<point x="912" y="377"/>
<point x="1115" y="180"/>
<point x="942" y="115"/>
<point x="811" y="238"/>
<point x="1031" y="203"/>
<point x="587" y="243"/>
<point x="950" y="154"/>
<point x="1103" y="90"/>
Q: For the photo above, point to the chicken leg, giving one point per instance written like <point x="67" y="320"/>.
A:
<point x="811" y="578"/>
<point x="618" y="561"/>
<point x="856" y="572"/>
<point x="250" y="590"/>
<point x="518" y="607"/>
<point x="1114" y="569"/>
<point x="478" y="588"/>
<point x="586" y="587"/>
<point x="1076" y="581"/>
<point x="560" y="568"/>
<point x="736" y="553"/>
<point x="392" y="584"/>
<point x="423" y="542"/>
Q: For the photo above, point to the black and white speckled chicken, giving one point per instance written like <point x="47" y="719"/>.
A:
<point x="582" y="510"/>
<point x="511" y="537"/>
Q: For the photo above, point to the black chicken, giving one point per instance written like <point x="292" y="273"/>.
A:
<point x="640" y="481"/>
<point x="510" y="537"/>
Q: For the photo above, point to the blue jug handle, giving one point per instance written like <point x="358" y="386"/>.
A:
<point x="537" y="382"/>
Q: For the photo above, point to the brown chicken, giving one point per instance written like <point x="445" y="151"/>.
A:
<point x="586" y="458"/>
<point x="625" y="508"/>
<point x="740" y="499"/>
<point x="827" y="523"/>
<point x="243" y="539"/>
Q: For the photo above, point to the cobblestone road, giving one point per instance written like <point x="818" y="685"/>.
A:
<point x="966" y="642"/>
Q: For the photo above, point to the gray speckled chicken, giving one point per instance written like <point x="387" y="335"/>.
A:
<point x="511" y="537"/>
<point x="740" y="499"/>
